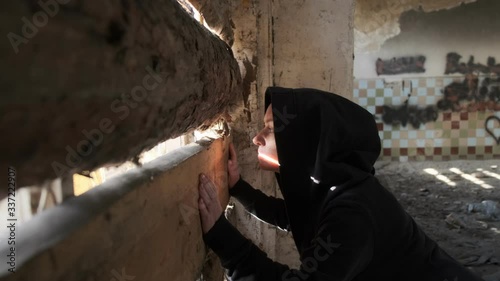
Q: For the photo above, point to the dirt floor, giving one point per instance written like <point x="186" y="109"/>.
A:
<point x="437" y="195"/>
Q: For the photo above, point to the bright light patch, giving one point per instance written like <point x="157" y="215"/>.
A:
<point x="431" y="171"/>
<point x="442" y="178"/>
<point x="161" y="149"/>
<point x="314" y="180"/>
<point x="446" y="180"/>
<point x="471" y="178"/>
<point x="491" y="174"/>
<point x="269" y="159"/>
<point x="333" y="188"/>
<point x="199" y="17"/>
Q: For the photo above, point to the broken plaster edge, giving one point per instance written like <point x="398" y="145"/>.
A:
<point x="372" y="42"/>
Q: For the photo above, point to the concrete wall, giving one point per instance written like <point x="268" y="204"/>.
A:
<point x="144" y="225"/>
<point x="461" y="132"/>
<point x="313" y="45"/>
<point x="251" y="35"/>
<point x="471" y="29"/>
<point x="98" y="84"/>
<point x="453" y="135"/>
<point x="378" y="20"/>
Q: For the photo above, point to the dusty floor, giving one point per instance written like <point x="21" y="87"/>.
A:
<point x="440" y="207"/>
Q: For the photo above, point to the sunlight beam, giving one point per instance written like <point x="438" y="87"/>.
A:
<point x="471" y="178"/>
<point x="442" y="178"/>
<point x="269" y="159"/>
<point x="491" y="174"/>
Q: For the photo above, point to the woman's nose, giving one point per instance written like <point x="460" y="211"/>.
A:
<point x="258" y="140"/>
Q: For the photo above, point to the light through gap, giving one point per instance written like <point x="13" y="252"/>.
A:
<point x="471" y="178"/>
<point x="488" y="173"/>
<point x="442" y="178"/>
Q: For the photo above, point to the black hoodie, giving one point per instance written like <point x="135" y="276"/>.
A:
<point x="345" y="224"/>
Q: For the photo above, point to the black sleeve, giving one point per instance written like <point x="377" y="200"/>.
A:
<point x="269" y="209"/>
<point x="342" y="248"/>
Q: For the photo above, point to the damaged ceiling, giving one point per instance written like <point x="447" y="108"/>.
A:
<point x="376" y="21"/>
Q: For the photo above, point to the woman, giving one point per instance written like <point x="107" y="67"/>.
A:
<point x="346" y="225"/>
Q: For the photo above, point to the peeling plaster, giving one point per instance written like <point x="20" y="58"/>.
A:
<point x="376" y="21"/>
<point x="469" y="30"/>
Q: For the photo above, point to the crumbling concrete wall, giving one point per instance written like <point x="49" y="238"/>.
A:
<point x="471" y="29"/>
<point x="144" y="225"/>
<point x="450" y="115"/>
<point x="90" y="83"/>
<point x="313" y="44"/>
<point x="251" y="36"/>
<point x="217" y="13"/>
<point x="378" y="20"/>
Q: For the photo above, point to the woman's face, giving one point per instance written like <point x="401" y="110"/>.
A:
<point x="268" y="155"/>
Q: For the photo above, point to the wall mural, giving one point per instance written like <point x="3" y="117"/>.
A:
<point x="453" y="65"/>
<point x="400" y="65"/>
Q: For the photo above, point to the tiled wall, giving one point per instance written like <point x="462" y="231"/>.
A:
<point x="454" y="135"/>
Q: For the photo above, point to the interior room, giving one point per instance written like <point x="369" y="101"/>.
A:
<point x="110" y="111"/>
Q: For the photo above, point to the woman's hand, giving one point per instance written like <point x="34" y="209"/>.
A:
<point x="233" y="169"/>
<point x="208" y="203"/>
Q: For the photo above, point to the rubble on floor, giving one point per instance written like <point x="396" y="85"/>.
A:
<point x="441" y="197"/>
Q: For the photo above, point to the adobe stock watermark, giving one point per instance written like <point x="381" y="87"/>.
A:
<point x="322" y="251"/>
<point x="123" y="276"/>
<point x="40" y="19"/>
<point x="189" y="208"/>
<point x="283" y="116"/>
<point x="95" y="137"/>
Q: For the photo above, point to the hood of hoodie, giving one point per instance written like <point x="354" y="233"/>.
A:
<point x="326" y="144"/>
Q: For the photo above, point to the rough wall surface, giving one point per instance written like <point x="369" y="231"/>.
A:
<point x="217" y="13"/>
<point x="251" y="19"/>
<point x="100" y="81"/>
<point x="472" y="29"/>
<point x="376" y="21"/>
<point x="144" y="225"/>
<point x="313" y="45"/>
